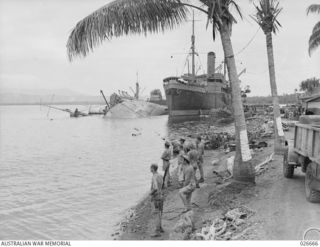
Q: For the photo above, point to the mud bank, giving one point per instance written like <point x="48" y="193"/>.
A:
<point x="217" y="195"/>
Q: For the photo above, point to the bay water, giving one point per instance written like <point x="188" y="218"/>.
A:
<point x="72" y="178"/>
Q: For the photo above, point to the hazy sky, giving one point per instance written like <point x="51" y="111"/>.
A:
<point x="33" y="36"/>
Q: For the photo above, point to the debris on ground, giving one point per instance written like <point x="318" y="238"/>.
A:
<point x="130" y="214"/>
<point x="216" y="137"/>
<point x="223" y="168"/>
<point x="211" y="231"/>
<point x="260" y="168"/>
<point x="289" y="123"/>
<point x="228" y="227"/>
<point x="230" y="163"/>
<point x="183" y="227"/>
<point x="123" y="224"/>
<point x="285" y="127"/>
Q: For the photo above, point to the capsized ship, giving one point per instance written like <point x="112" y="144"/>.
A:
<point x="123" y="105"/>
<point x="196" y="95"/>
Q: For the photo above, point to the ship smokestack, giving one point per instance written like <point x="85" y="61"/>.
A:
<point x="211" y="64"/>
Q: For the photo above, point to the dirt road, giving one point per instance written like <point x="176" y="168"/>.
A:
<point x="281" y="206"/>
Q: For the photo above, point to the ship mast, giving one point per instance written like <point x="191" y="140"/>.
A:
<point x="137" y="87"/>
<point x="193" y="49"/>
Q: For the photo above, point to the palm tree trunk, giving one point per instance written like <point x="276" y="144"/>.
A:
<point x="242" y="169"/>
<point x="279" y="135"/>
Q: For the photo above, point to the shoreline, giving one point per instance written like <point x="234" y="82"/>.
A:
<point x="270" y="209"/>
<point x="140" y="225"/>
<point x="129" y="213"/>
<point x="218" y="183"/>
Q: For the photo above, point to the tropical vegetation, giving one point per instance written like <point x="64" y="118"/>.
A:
<point x="310" y="86"/>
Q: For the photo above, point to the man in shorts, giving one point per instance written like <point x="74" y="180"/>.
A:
<point x="189" y="184"/>
<point x="200" y="149"/>
<point x="194" y="158"/>
<point x="157" y="198"/>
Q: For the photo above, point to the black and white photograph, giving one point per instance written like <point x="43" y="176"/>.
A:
<point x="159" y="120"/>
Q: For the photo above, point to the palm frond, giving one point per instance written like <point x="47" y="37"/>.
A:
<point x="237" y="7"/>
<point x="219" y="13"/>
<point x="210" y="14"/>
<point x="313" y="8"/>
<point x="266" y="15"/>
<point x="314" y="40"/>
<point x="124" y="17"/>
<point x="316" y="27"/>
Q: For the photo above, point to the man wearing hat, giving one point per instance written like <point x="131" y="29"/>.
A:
<point x="175" y="148"/>
<point x="166" y="156"/>
<point x="189" y="183"/>
<point x="181" y="140"/>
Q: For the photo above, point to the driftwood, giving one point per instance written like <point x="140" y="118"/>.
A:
<point x="241" y="234"/>
<point x="207" y="234"/>
<point x="262" y="164"/>
<point x="224" y="228"/>
<point x="212" y="232"/>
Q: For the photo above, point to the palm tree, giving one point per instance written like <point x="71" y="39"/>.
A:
<point x="314" y="40"/>
<point x="266" y="17"/>
<point x="125" y="17"/>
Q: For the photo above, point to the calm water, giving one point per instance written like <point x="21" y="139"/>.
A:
<point x="72" y="178"/>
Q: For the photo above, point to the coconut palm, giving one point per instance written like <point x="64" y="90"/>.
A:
<point x="125" y="17"/>
<point x="266" y="16"/>
<point x="314" y="40"/>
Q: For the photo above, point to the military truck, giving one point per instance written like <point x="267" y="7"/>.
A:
<point x="305" y="153"/>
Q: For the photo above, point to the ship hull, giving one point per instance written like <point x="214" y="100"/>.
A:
<point x="136" y="109"/>
<point x="193" y="103"/>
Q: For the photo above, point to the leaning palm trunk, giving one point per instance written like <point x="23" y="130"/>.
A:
<point x="279" y="135"/>
<point x="243" y="169"/>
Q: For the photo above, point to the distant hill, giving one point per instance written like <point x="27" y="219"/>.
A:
<point x="45" y="96"/>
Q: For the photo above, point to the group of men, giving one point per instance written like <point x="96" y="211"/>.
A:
<point x="190" y="159"/>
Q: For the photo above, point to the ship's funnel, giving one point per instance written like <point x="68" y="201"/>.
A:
<point x="211" y="63"/>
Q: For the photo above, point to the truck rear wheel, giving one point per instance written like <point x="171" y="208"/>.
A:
<point x="311" y="194"/>
<point x="288" y="170"/>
